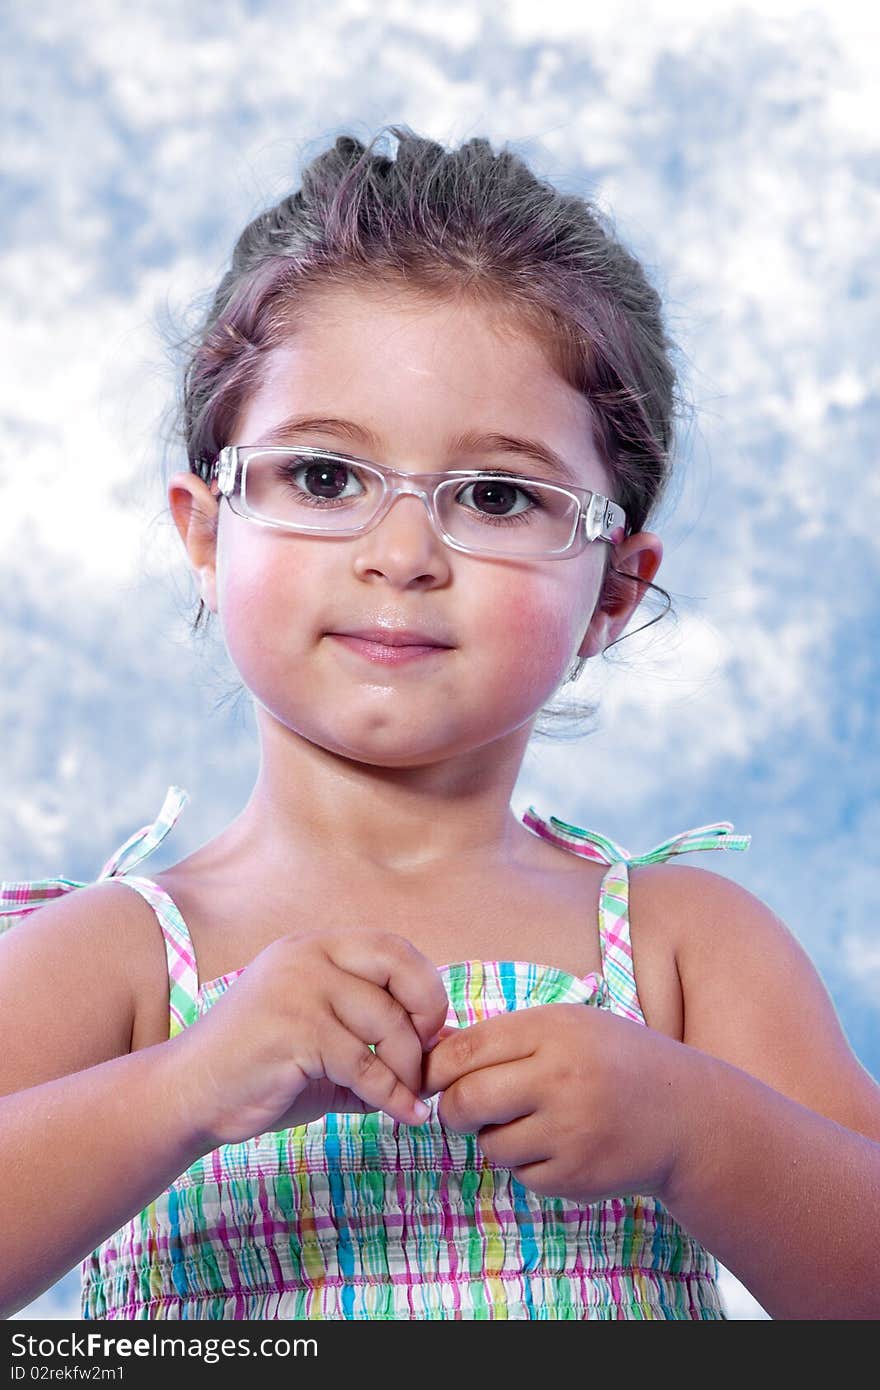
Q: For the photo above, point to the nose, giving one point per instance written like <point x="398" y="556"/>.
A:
<point x="404" y="547"/>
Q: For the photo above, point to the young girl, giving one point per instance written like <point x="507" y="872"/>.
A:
<point x="380" y="1049"/>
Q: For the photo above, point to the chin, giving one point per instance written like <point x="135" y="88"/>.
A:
<point x="393" y="756"/>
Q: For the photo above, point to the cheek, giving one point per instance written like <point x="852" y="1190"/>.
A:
<point x="538" y="618"/>
<point x="241" y="580"/>
<point x="257" y="581"/>
<point x="542" y="629"/>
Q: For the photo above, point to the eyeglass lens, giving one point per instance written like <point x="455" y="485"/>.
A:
<point x="487" y="513"/>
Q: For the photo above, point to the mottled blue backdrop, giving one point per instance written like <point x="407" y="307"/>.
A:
<point x="734" y="145"/>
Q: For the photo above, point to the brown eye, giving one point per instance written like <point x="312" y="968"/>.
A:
<point x="498" y="497"/>
<point x="321" y="479"/>
<point x="494" y="496"/>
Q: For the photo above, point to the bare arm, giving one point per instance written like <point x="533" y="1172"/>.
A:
<point x="88" y="1133"/>
<point x="785" y="1198"/>
<point x="80" y="1156"/>
<point x="779" y="1170"/>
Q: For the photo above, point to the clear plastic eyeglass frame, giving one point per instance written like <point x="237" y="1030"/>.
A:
<point x="597" y="517"/>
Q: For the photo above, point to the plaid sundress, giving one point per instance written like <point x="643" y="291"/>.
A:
<point x="360" y="1217"/>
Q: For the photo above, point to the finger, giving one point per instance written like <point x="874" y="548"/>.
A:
<point x="492" y="1096"/>
<point x="424" y="1089"/>
<point x="515" y="1145"/>
<point x="505" y="1038"/>
<point x="375" y="1017"/>
<point x="349" y="1062"/>
<point x="393" y="963"/>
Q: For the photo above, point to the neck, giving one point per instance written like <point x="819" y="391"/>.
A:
<point x="405" y="821"/>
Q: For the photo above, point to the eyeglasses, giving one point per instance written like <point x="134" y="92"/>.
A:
<point x="482" y="512"/>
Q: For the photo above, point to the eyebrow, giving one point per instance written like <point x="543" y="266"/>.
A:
<point x="472" y="442"/>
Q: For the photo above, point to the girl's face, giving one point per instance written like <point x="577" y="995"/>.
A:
<point x="404" y="378"/>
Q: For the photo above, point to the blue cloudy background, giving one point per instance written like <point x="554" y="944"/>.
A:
<point x="734" y="146"/>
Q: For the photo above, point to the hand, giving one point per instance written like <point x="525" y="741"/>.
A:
<point x="576" y="1101"/>
<point x="290" y="1039"/>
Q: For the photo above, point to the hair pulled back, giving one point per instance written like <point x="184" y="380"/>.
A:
<point x="446" y="223"/>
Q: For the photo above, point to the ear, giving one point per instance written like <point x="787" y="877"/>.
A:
<point x="639" y="558"/>
<point x="195" y="510"/>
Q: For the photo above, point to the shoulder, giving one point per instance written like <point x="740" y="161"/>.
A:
<point x="77" y="961"/>
<point x="726" y="941"/>
<point x="99" y="915"/>
<point x="686" y="902"/>
<point x="751" y="995"/>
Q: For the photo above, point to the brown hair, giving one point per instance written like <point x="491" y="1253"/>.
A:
<point x="444" y="222"/>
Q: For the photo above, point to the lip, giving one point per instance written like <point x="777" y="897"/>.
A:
<point x="393" y="637"/>
<point x="388" y="653"/>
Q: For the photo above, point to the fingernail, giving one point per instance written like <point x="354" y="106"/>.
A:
<point x="421" y="1110"/>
